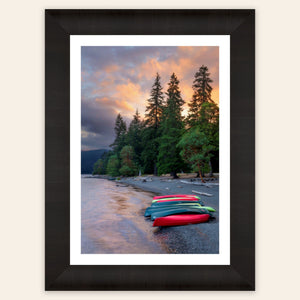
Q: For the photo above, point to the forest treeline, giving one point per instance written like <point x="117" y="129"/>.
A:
<point x="165" y="141"/>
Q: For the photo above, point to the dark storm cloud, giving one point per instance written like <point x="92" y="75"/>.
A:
<point x="95" y="141"/>
<point x="97" y="125"/>
<point x="96" y="58"/>
<point x="96" y="118"/>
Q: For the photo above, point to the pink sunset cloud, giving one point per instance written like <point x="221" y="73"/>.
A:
<point x="119" y="79"/>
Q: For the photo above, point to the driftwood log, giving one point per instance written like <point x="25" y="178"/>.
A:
<point x="203" y="194"/>
<point x="208" y="184"/>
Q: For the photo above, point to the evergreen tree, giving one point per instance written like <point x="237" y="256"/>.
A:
<point x="153" y="117"/>
<point x="209" y="120"/>
<point x="169" y="159"/>
<point x="128" y="166"/>
<point x="113" y="166"/>
<point x="196" y="148"/>
<point x="154" y="108"/>
<point x="203" y="111"/>
<point x="120" y="132"/>
<point x="202" y="93"/>
<point x="150" y="150"/>
<point x="105" y="158"/>
<point x="98" y="167"/>
<point x="134" y="137"/>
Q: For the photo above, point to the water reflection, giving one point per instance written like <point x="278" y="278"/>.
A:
<point x="112" y="219"/>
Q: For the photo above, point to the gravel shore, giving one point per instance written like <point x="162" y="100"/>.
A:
<point x="189" y="239"/>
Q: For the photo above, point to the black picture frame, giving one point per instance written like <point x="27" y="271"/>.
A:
<point x="59" y="25"/>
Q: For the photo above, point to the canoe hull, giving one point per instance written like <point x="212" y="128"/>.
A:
<point x="174" y="196"/>
<point x="175" y="199"/>
<point x="177" y="220"/>
<point x="179" y="211"/>
<point x="159" y="204"/>
<point x="153" y="209"/>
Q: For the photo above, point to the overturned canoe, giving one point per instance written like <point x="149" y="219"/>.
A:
<point x="174" y="196"/>
<point x="175" y="199"/>
<point x="176" y="220"/>
<point x="153" y="209"/>
<point x="172" y="202"/>
<point x="179" y="211"/>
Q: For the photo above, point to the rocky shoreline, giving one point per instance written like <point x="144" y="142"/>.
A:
<point x="208" y="191"/>
<point x="197" y="238"/>
<point x="190" y="239"/>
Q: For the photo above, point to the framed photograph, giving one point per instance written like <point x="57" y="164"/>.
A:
<point x="150" y="150"/>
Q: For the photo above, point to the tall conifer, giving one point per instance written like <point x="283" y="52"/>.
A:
<point x="153" y="117"/>
<point x="203" y="112"/>
<point x="134" y="137"/>
<point x="202" y="94"/>
<point x="154" y="107"/>
<point x="120" y="132"/>
<point x="169" y="159"/>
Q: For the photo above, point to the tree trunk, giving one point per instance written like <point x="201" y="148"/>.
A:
<point x="197" y="174"/>
<point x="210" y="169"/>
<point x="174" y="175"/>
<point x="200" y="173"/>
<point x="155" y="170"/>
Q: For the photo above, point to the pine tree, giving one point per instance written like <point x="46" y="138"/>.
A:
<point x="120" y="132"/>
<point x="128" y="166"/>
<point x="202" y="94"/>
<point x="105" y="158"/>
<point x="113" y="166"/>
<point x="209" y="120"/>
<point x="203" y="111"/>
<point x="154" y="108"/>
<point x="153" y="117"/>
<point x="150" y="150"/>
<point x="196" y="149"/>
<point x="98" y="167"/>
<point x="169" y="159"/>
<point x="134" y="137"/>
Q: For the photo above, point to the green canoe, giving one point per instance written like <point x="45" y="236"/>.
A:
<point x="153" y="209"/>
<point x="177" y="211"/>
<point x="173" y="198"/>
<point x="176" y="202"/>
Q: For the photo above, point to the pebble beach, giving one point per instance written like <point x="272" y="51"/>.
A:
<point x="194" y="238"/>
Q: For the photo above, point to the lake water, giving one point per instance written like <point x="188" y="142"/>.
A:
<point x="113" y="222"/>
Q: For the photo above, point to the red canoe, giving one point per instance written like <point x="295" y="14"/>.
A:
<point x="175" y="220"/>
<point x="172" y="196"/>
<point x="177" y="199"/>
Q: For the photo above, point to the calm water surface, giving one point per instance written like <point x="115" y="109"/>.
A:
<point x="112" y="219"/>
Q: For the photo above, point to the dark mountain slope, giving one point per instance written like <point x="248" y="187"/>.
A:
<point x="88" y="158"/>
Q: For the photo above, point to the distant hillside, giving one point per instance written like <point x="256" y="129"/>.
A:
<point x="88" y="158"/>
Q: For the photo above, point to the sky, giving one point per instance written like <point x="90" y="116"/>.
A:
<point x="119" y="80"/>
